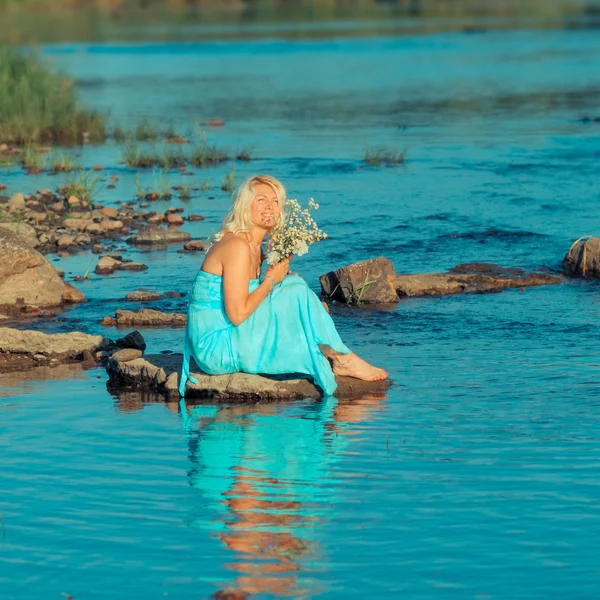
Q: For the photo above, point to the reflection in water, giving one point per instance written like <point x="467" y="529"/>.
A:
<point x="265" y="470"/>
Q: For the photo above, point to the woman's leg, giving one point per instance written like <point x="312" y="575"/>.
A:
<point x="351" y="365"/>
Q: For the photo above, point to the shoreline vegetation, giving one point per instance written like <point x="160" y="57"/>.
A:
<point x="28" y="21"/>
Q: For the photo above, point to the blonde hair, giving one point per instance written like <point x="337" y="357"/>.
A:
<point x="239" y="220"/>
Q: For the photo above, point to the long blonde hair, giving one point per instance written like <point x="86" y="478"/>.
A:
<point x="238" y="219"/>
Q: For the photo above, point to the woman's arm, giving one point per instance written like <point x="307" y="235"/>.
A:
<point x="239" y="305"/>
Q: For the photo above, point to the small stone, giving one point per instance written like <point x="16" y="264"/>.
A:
<point x="110" y="225"/>
<point x="106" y="265"/>
<point x="132" y="340"/>
<point x="110" y="212"/>
<point x="126" y="355"/>
<point x="173" y="295"/>
<point x="65" y="240"/>
<point x="132" y="266"/>
<point x="195" y="246"/>
<point x="97" y="249"/>
<point x="174" y="219"/>
<point x="57" y="206"/>
<point x="108" y="322"/>
<point x="97" y="168"/>
<point x="195" y="218"/>
<point x="73" y="201"/>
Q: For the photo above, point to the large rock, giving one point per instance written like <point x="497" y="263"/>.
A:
<point x="152" y="234"/>
<point x="149" y="318"/>
<point x="583" y="259"/>
<point x="21" y="349"/>
<point x="23" y="230"/>
<point x="26" y="277"/>
<point x="470" y="278"/>
<point x="366" y="282"/>
<point x="160" y="372"/>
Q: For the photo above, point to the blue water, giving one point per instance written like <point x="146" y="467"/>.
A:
<point x="476" y="475"/>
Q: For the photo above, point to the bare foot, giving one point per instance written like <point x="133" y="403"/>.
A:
<point x="350" y="365"/>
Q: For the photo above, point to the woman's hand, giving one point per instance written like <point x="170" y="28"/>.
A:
<point x="279" y="271"/>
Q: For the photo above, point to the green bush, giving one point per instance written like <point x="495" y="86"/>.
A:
<point x="37" y="105"/>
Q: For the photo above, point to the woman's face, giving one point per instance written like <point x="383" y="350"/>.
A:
<point x="265" y="206"/>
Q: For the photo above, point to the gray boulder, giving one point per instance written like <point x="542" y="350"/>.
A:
<point x="583" y="258"/>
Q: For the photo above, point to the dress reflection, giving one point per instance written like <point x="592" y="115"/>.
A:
<point x="265" y="472"/>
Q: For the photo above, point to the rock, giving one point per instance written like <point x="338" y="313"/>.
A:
<point x="142" y="296"/>
<point x="23" y="230"/>
<point x="195" y="218"/>
<point x="366" y="282"/>
<point x="160" y="373"/>
<point x="71" y="295"/>
<point x="173" y="219"/>
<point x="583" y="258"/>
<point x="16" y="203"/>
<point x="108" y="322"/>
<point x="97" y="249"/>
<point x="149" y="318"/>
<point x="126" y="355"/>
<point x="110" y="225"/>
<point x="65" y="240"/>
<point x="132" y="266"/>
<point x="173" y="295"/>
<point x="97" y="168"/>
<point x="58" y="206"/>
<point x="76" y="224"/>
<point x="195" y="246"/>
<point x="132" y="340"/>
<point x="106" y="265"/>
<point x="59" y="346"/>
<point x="61" y="272"/>
<point x="73" y="201"/>
<point x="470" y="278"/>
<point x="26" y="277"/>
<point x="110" y="212"/>
<point x="152" y="234"/>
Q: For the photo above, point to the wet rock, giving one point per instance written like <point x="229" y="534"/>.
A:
<point x="478" y="278"/>
<point x="142" y="296"/>
<point x="195" y="218"/>
<point x="366" y="282"/>
<point x="196" y="246"/>
<point x="26" y="277"/>
<point x="108" y="322"/>
<point x="160" y="372"/>
<point x="126" y="355"/>
<point x="583" y="258"/>
<point x="97" y="249"/>
<point x="110" y="225"/>
<point x="173" y="295"/>
<point x="106" y="265"/>
<point x="152" y="234"/>
<point x="23" y="230"/>
<point x="149" y="318"/>
<point x="132" y="340"/>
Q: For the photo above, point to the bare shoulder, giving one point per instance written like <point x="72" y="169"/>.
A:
<point x="234" y="247"/>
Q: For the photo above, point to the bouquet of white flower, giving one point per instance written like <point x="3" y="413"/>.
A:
<point x="296" y="234"/>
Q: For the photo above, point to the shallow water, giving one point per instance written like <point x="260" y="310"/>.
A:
<point x="475" y="476"/>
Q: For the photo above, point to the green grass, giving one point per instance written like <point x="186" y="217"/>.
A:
<point x="204" y="155"/>
<point x="385" y="157"/>
<point x="81" y="184"/>
<point x="244" y="155"/>
<point x="32" y="159"/>
<point x="228" y="181"/>
<point x="37" y="105"/>
<point x="60" y="162"/>
<point x="205" y="185"/>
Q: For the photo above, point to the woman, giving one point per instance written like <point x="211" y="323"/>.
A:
<point x="238" y="322"/>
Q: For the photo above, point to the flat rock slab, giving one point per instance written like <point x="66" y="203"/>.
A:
<point x="148" y="317"/>
<point x="160" y="373"/>
<point x="478" y="278"/>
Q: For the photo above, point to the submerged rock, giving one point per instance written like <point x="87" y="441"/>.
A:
<point x="470" y="278"/>
<point x="160" y="373"/>
<point x="583" y="258"/>
<point x="366" y="282"/>
<point x="152" y="234"/>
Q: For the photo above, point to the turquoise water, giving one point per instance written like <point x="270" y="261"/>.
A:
<point x="476" y="475"/>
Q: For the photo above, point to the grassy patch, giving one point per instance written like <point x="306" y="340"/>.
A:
<point x="61" y="162"/>
<point x="81" y="184"/>
<point x="383" y="157"/>
<point x="38" y="105"/>
<point x="228" y="181"/>
<point x="204" y="155"/>
<point x="32" y="159"/>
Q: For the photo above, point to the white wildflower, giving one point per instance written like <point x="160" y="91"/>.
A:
<point x="273" y="257"/>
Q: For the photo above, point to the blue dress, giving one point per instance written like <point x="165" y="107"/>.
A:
<point x="281" y="336"/>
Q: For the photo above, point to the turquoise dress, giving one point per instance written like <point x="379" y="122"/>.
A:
<point x="281" y="336"/>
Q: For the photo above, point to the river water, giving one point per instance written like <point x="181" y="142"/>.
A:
<point x="476" y="475"/>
